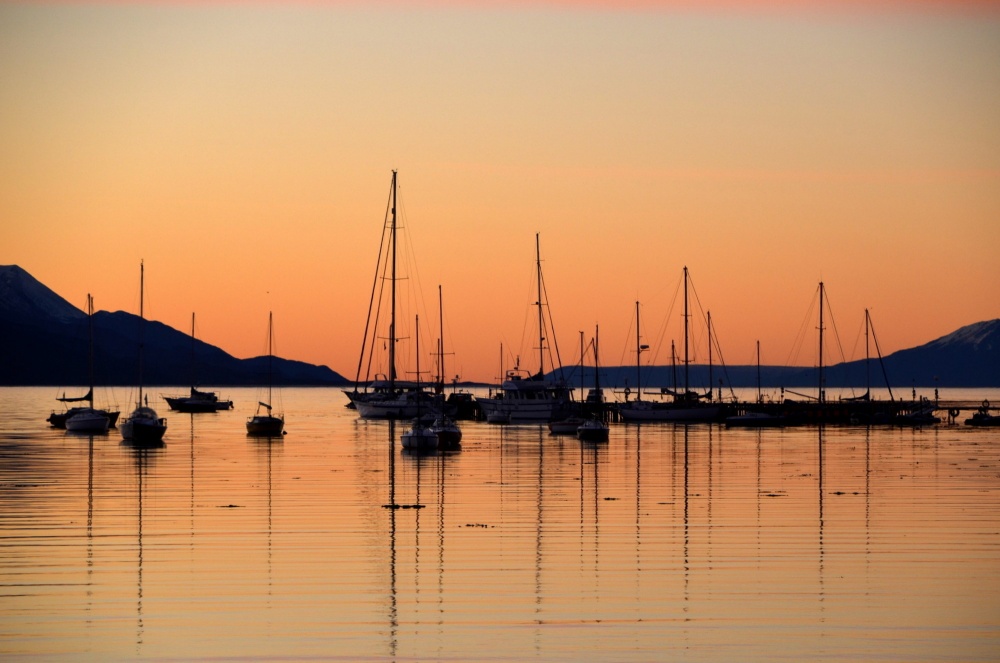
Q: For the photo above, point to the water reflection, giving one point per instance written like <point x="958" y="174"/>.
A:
<point x="670" y="542"/>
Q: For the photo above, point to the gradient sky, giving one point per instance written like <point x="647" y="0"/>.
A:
<point x="244" y="151"/>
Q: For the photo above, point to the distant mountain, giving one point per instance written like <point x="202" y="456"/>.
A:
<point x="43" y="341"/>
<point x="968" y="357"/>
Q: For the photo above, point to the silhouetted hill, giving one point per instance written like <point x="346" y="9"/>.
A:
<point x="43" y="341"/>
<point x="968" y="357"/>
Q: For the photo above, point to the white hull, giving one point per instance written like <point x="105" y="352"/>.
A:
<point x="88" y="421"/>
<point x="637" y="411"/>
<point x="519" y="412"/>
<point x="419" y="438"/>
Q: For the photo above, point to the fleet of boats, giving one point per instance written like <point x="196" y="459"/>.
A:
<point x="522" y="396"/>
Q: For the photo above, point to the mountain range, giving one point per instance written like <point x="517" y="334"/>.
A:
<point x="43" y="341"/>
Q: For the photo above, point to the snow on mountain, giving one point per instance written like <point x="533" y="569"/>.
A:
<point x="23" y="298"/>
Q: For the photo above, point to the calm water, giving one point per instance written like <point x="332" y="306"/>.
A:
<point x="669" y="543"/>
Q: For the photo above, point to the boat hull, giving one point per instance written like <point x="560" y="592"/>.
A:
<point x="88" y="421"/>
<point x="646" y="411"/>
<point x="265" y="426"/>
<point x="419" y="439"/>
<point x="143" y="426"/>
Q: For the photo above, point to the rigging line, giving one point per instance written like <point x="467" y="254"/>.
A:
<point x="793" y="353"/>
<point x="371" y="300"/>
<point x="664" y="326"/>
<point x="836" y="333"/>
<point x="552" y="325"/>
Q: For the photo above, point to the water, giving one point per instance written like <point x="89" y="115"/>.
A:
<point x="668" y="543"/>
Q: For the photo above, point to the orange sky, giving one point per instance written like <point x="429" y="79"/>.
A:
<point x="244" y="151"/>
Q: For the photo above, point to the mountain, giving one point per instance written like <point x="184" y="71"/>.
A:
<point x="44" y="338"/>
<point x="968" y="357"/>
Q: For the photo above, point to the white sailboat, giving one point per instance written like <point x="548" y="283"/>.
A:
<point x="420" y="437"/>
<point x="686" y="406"/>
<point x="143" y="426"/>
<point x="386" y="397"/>
<point x="87" y="419"/>
<point x="530" y="398"/>
<point x="266" y="424"/>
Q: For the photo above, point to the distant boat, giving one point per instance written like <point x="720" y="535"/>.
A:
<point x="521" y="397"/>
<point x="982" y="417"/>
<point x="687" y="405"/>
<point x="267" y="425"/>
<point x="85" y="419"/>
<point x="420" y="437"/>
<point x="143" y="426"/>
<point x="760" y="414"/>
<point x="448" y="433"/>
<point x="386" y="397"/>
<point x="197" y="401"/>
<point x="594" y="429"/>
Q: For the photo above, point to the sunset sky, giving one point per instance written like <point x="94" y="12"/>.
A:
<point x="244" y="152"/>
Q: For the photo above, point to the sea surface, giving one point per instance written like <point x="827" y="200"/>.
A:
<point x="668" y="543"/>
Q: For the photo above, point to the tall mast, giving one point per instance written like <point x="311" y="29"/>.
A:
<point x="822" y="396"/>
<point x="194" y="378"/>
<point x="270" y="352"/>
<point x="392" y="317"/>
<point x="686" y="363"/>
<point x="758" y="372"/>
<point x="90" y="359"/>
<point x="441" y="337"/>
<point x="868" y="372"/>
<point x="541" y="334"/>
<point x="709" y="315"/>
<point x="142" y="287"/>
<point x="582" y="395"/>
<point x="638" y="353"/>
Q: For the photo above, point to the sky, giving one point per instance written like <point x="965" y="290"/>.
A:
<point x="244" y="152"/>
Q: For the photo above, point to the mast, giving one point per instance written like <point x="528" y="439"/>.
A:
<point x="687" y="384"/>
<point x="709" y="315"/>
<point x="90" y="359"/>
<point x="638" y="353"/>
<point x="582" y="395"/>
<point x="392" y="317"/>
<point x="194" y="378"/>
<point x="868" y="372"/>
<point x="758" y="372"/>
<point x="270" y="334"/>
<point x="142" y="287"/>
<point x="822" y="396"/>
<point x="541" y="321"/>
<point x="441" y="337"/>
<point x="597" y="364"/>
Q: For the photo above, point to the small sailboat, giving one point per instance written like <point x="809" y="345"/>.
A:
<point x="760" y="415"/>
<point x="197" y="400"/>
<point x="531" y="398"/>
<point x="266" y="424"/>
<point x="448" y="433"/>
<point x="87" y="419"/>
<point x="143" y="426"/>
<point x="594" y="429"/>
<point x="420" y="437"/>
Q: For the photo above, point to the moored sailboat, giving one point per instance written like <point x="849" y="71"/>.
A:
<point x="420" y="437"/>
<point x="530" y="398"/>
<point x="143" y="426"/>
<point x="386" y="397"/>
<point x="267" y="424"/>
<point x="197" y="400"/>
<point x="687" y="405"/>
<point x="87" y="419"/>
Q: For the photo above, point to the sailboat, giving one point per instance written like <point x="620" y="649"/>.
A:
<point x="687" y="405"/>
<point x="143" y="426"/>
<point x="267" y="425"/>
<point x="420" y="437"/>
<point x="87" y="419"/>
<point x="594" y="429"/>
<point x="58" y="419"/>
<point x="531" y="398"/>
<point x="759" y="415"/>
<point x="448" y="433"/>
<point x="197" y="400"/>
<point x="386" y="397"/>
